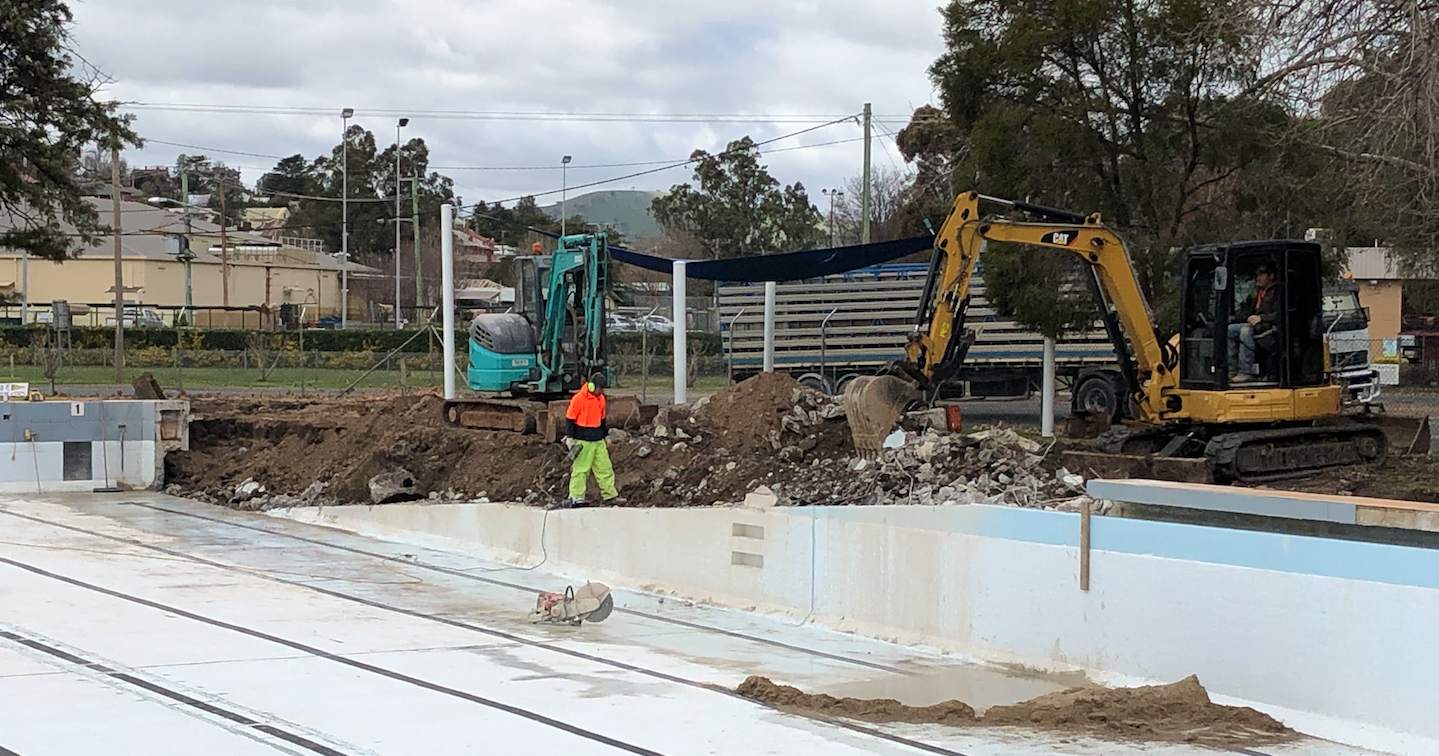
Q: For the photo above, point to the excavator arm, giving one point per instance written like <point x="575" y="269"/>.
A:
<point x="937" y="348"/>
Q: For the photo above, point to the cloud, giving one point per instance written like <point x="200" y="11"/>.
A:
<point x="771" y="57"/>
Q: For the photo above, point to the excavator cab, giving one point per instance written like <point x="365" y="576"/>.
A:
<point x="1221" y="289"/>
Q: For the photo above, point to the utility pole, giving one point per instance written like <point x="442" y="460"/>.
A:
<point x="187" y="255"/>
<point x="415" y="224"/>
<point x="224" y="248"/>
<point x="398" y="125"/>
<point x="345" y="116"/>
<point x="116" y="227"/>
<point x="865" y="179"/>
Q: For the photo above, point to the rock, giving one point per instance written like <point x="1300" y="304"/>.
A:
<point x="730" y="466"/>
<point x="1004" y="479"/>
<point x="247" y="489"/>
<point x="680" y="434"/>
<point x="831" y="411"/>
<point x="679" y="446"/>
<point x="761" y="498"/>
<point x="700" y="403"/>
<point x="858" y="463"/>
<point x="1064" y="476"/>
<point x="617" y="434"/>
<point x="946" y="494"/>
<point x="791" y="454"/>
<point x="643" y="451"/>
<point x="660" y="432"/>
<point x="393" y="485"/>
<point x="894" y="440"/>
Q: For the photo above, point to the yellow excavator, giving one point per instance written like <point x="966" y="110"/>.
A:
<point x="1183" y="399"/>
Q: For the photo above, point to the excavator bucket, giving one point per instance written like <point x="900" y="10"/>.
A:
<point x="872" y="404"/>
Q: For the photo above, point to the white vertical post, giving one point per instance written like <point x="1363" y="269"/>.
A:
<point x="1046" y="422"/>
<point x="681" y="332"/>
<point x="24" y="287"/>
<point x="447" y="290"/>
<point x="769" y="289"/>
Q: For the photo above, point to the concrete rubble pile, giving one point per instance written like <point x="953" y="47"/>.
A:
<point x="929" y="467"/>
<point x="805" y="458"/>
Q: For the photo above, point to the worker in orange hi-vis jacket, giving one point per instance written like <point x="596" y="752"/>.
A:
<point x="589" y="447"/>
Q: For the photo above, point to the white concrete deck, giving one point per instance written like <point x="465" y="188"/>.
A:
<point x="145" y="624"/>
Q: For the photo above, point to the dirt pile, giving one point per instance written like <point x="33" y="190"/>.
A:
<point x="1178" y="712"/>
<point x="878" y="710"/>
<point x="766" y="431"/>
<point x="264" y="453"/>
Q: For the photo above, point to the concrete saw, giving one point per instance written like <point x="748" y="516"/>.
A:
<point x="591" y="601"/>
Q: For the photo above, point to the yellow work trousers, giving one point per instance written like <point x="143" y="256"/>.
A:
<point x="594" y="455"/>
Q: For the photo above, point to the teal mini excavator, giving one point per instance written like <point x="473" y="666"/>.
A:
<point x="552" y="340"/>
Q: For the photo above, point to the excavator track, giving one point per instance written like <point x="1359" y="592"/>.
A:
<point x="1272" y="454"/>
<point x="517" y="415"/>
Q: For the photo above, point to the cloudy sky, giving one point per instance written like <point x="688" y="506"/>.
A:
<point x="791" y="62"/>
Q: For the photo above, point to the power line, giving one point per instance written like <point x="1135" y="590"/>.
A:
<point x="640" y="164"/>
<point x="494" y="115"/>
<point x="671" y="166"/>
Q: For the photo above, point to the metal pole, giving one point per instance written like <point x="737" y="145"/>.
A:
<point x="224" y="251"/>
<point x="398" y="125"/>
<point x="190" y="254"/>
<point x="1046" y="421"/>
<point x="24" y="286"/>
<point x="447" y="291"/>
<point x="681" y="357"/>
<point x="730" y="342"/>
<point x="864" y="197"/>
<point x="345" y="218"/>
<point x="823" y="338"/>
<point x="564" y="190"/>
<point x="117" y="226"/>
<point x="769" y="297"/>
<point x="415" y="226"/>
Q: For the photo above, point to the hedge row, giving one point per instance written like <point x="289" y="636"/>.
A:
<point x="382" y="342"/>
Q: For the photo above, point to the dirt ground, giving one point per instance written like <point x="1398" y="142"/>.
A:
<point x="1178" y="712"/>
<point x="766" y="431"/>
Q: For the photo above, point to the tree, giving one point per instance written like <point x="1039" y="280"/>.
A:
<point x="371" y="184"/>
<point x="1157" y="114"/>
<point x="890" y="191"/>
<point x="738" y="208"/>
<point x="289" y="179"/>
<point x="48" y="114"/>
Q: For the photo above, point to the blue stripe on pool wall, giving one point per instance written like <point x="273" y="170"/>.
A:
<point x="1305" y="555"/>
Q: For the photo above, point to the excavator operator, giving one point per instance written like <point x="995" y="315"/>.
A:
<point x="589" y="447"/>
<point x="1254" y="325"/>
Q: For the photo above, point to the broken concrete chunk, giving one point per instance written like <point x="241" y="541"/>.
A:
<point x="643" y="451"/>
<point x="393" y="485"/>
<point x="761" y="498"/>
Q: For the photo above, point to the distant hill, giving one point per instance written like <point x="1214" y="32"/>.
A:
<point x="627" y="210"/>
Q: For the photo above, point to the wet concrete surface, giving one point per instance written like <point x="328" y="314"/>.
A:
<point x="145" y="624"/>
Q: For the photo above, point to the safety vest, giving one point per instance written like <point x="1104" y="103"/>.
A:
<point x="587" y="410"/>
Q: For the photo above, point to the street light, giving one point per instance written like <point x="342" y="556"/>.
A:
<point x="833" y="195"/>
<point x="345" y="116"/>
<point x="564" y="187"/>
<point x="403" y="122"/>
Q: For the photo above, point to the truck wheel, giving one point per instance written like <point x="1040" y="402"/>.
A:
<point x="814" y="381"/>
<point x="844" y="381"/>
<point x="1095" y="393"/>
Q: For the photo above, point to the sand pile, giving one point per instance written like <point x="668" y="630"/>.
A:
<point x="1178" y="712"/>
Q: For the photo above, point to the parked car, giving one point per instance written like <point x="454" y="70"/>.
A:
<point x="136" y="317"/>
<point x="658" y="324"/>
<point x="615" y="323"/>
